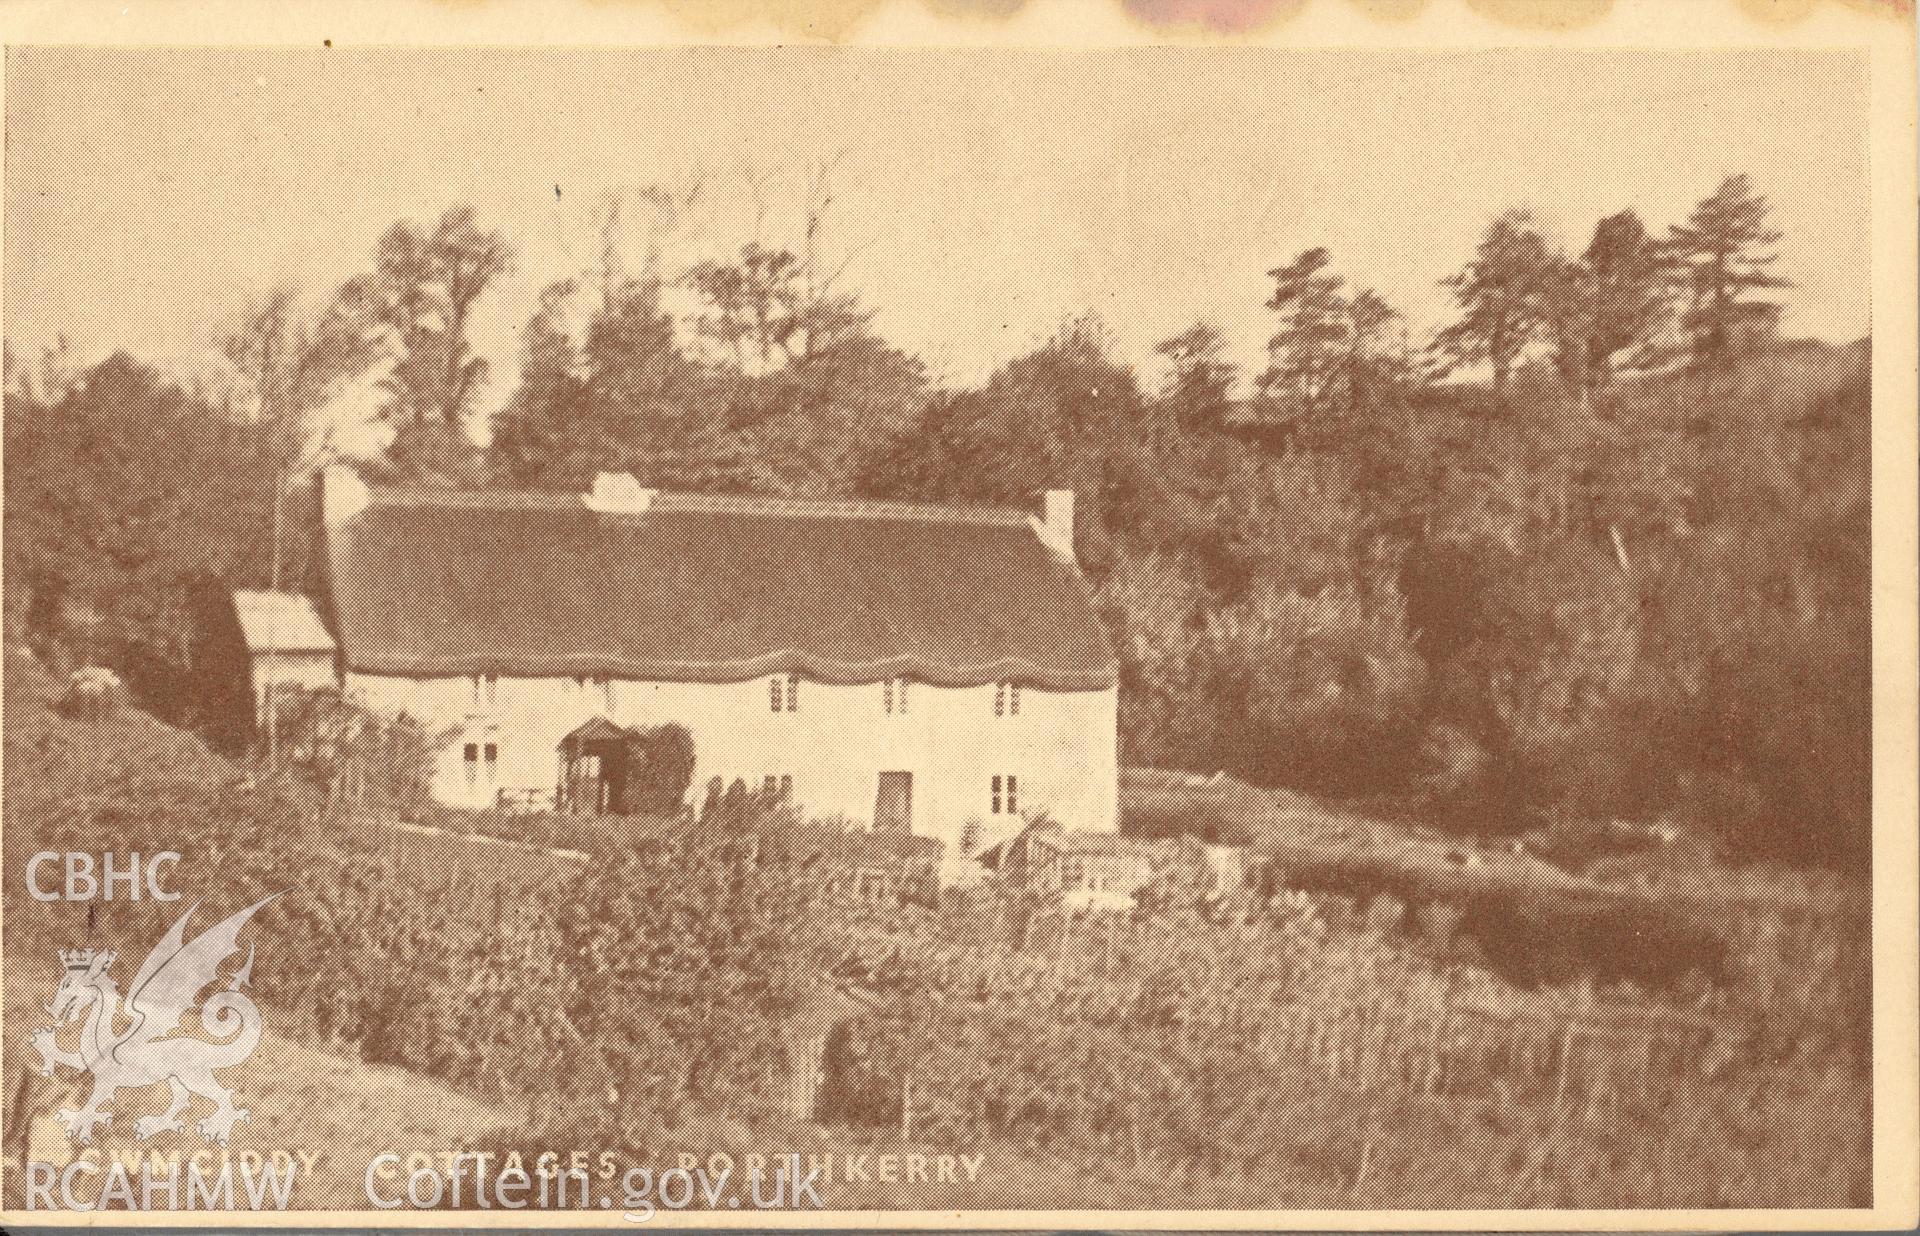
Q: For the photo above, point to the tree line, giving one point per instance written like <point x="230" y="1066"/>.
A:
<point x="1597" y="547"/>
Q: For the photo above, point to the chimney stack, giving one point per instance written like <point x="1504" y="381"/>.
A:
<point x="342" y="495"/>
<point x="1057" y="524"/>
<point x="618" y="493"/>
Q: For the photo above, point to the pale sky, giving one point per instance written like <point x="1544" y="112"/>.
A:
<point x="983" y="196"/>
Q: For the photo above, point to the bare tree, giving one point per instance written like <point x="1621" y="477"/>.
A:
<point x="658" y="212"/>
<point x="774" y="305"/>
<point x="827" y="314"/>
<point x="45" y="379"/>
<point x="288" y="362"/>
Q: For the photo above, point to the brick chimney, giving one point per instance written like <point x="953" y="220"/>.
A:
<point x="342" y="494"/>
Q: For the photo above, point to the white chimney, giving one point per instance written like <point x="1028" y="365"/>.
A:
<point x="618" y="493"/>
<point x="342" y="494"/>
<point x="1056" y="526"/>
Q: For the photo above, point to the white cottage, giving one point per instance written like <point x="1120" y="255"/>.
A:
<point x="935" y="670"/>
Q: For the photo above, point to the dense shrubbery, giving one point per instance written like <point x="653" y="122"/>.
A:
<point x="660" y="763"/>
<point x="460" y="959"/>
<point x="351" y="754"/>
<point x="1633" y="625"/>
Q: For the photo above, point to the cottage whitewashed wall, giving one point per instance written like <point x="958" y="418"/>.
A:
<point x="307" y="670"/>
<point x="1061" y="745"/>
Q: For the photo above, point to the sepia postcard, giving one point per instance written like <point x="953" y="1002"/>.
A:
<point x="1176" y="615"/>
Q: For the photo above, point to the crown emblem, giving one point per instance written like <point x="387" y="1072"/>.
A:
<point x="76" y="958"/>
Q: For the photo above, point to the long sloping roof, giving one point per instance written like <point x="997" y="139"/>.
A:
<point x="280" y="622"/>
<point x="709" y="589"/>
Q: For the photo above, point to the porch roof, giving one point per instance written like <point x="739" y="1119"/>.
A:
<point x="595" y="729"/>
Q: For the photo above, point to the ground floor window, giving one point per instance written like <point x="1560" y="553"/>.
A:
<point x="482" y="766"/>
<point x="482" y="761"/>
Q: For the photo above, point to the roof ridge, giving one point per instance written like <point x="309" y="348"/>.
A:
<point x="473" y="499"/>
<point x="695" y="502"/>
<point x="835" y="508"/>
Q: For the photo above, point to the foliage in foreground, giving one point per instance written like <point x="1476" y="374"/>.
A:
<point x="655" y="997"/>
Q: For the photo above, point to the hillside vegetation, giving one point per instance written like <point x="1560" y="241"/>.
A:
<point x="1273" y="1050"/>
<point x="1538" y="652"/>
<point x="1598" y="551"/>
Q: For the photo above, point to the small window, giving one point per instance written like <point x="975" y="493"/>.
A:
<point x="902" y="692"/>
<point x="783" y="692"/>
<point x="894" y="696"/>
<point x="886" y="696"/>
<point x="996" y="791"/>
<point x="776" y="695"/>
<point x="1013" y="699"/>
<point x="491" y="754"/>
<point x="999" y="702"/>
<point x="1006" y="699"/>
<point x="486" y="691"/>
<point x="470" y="754"/>
<point x="1006" y="794"/>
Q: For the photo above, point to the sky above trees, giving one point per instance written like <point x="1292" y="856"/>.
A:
<point x="978" y="201"/>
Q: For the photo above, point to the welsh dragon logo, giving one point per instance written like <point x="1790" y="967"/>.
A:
<point x="149" y="1051"/>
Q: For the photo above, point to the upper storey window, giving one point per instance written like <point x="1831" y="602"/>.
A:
<point x="486" y="691"/>
<point x="783" y="692"/>
<point x="894" y="696"/>
<point x="1006" y="699"/>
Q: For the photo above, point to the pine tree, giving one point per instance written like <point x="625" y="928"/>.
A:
<point x="1503" y="295"/>
<point x="1724" y="252"/>
<point x="1610" y="300"/>
<point x="1336" y="360"/>
<point x="1307" y="353"/>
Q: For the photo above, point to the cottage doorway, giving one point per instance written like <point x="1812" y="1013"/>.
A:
<point x="593" y="769"/>
<point x="893" y="806"/>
